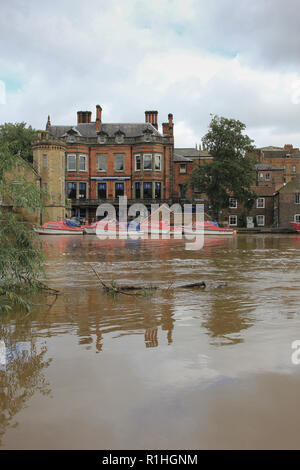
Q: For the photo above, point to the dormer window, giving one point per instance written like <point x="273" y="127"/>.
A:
<point x="102" y="139"/>
<point x="71" y="139"/>
<point x="119" y="139"/>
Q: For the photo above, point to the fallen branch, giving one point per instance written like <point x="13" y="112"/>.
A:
<point x="114" y="288"/>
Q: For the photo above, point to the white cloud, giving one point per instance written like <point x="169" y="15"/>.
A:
<point x="170" y="55"/>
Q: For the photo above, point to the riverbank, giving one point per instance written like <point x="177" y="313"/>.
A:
<point x="256" y="230"/>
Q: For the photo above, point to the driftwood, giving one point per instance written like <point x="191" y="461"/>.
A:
<point x="114" y="288"/>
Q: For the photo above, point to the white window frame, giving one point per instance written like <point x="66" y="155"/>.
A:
<point x="231" y="206"/>
<point x="263" y="203"/>
<point x="99" y="155"/>
<point x="232" y="224"/>
<point x="263" y="218"/>
<point x="160" y="159"/>
<point x="138" y="155"/>
<point x="297" y="218"/>
<point x="68" y="161"/>
<point x="293" y="168"/>
<point x="297" y="198"/>
<point x="147" y="155"/>
<point x="101" y="139"/>
<point x="268" y="177"/>
<point x="85" y="160"/>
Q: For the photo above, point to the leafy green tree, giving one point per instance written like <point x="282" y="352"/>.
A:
<point x="231" y="172"/>
<point x="20" y="255"/>
<point x="19" y="138"/>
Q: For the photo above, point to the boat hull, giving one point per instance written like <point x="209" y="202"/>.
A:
<point x="49" y="231"/>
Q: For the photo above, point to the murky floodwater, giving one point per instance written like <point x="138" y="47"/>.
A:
<point x="178" y="369"/>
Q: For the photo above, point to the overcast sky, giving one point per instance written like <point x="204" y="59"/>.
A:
<point x="192" y="58"/>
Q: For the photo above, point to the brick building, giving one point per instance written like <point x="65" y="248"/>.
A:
<point x="102" y="161"/>
<point x="287" y="204"/>
<point x="269" y="179"/>
<point x="286" y="157"/>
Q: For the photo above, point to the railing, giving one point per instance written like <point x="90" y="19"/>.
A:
<point x="97" y="202"/>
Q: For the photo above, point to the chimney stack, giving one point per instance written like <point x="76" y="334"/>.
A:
<point x="168" y="126"/>
<point x="151" y="117"/>
<point x="98" y="117"/>
<point x="84" y="117"/>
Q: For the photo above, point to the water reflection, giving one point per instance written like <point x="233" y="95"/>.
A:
<point x="23" y="363"/>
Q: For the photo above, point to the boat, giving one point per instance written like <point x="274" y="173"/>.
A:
<point x="59" y="227"/>
<point x="113" y="227"/>
<point x="157" y="228"/>
<point x="296" y="226"/>
<point x="205" y="228"/>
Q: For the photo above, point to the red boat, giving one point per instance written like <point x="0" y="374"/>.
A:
<point x="296" y="226"/>
<point x="60" y="227"/>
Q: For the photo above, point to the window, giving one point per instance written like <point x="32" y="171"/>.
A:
<point x="147" y="190"/>
<point x="45" y="161"/>
<point x="157" y="190"/>
<point x="101" y="190"/>
<point x="260" y="203"/>
<point x="147" y="137"/>
<point x="147" y="162"/>
<point x="119" y="139"/>
<point x="297" y="218"/>
<point x="233" y="220"/>
<point x="232" y="203"/>
<point x="71" y="139"/>
<point x="268" y="176"/>
<point x="157" y="160"/>
<point x="294" y="169"/>
<point x="297" y="198"/>
<point x="182" y="167"/>
<point x="71" y="159"/>
<point x="261" y="176"/>
<point x="260" y="220"/>
<point x="102" y="163"/>
<point x="82" y="163"/>
<point x="102" y="139"/>
<point x="138" y="163"/>
<point x="138" y="190"/>
<point x="71" y="190"/>
<point x="119" y="162"/>
<point x="82" y="190"/>
<point x="119" y="189"/>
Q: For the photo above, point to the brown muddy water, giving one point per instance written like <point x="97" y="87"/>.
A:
<point x="189" y="369"/>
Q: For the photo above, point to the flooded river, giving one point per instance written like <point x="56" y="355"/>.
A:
<point x="182" y="368"/>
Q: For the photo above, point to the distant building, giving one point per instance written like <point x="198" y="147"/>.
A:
<point x="287" y="204"/>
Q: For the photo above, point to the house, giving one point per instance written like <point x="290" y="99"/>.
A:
<point x="287" y="204"/>
<point x="97" y="162"/>
<point x="269" y="179"/>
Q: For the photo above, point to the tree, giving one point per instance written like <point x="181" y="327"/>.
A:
<point x="20" y="255"/>
<point x="18" y="137"/>
<point x="231" y="172"/>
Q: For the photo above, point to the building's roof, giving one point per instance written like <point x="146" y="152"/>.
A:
<point x="271" y="148"/>
<point x="180" y="158"/>
<point x="89" y="129"/>
<point x="292" y="186"/>
<point x="192" y="153"/>
<point x="266" y="167"/>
